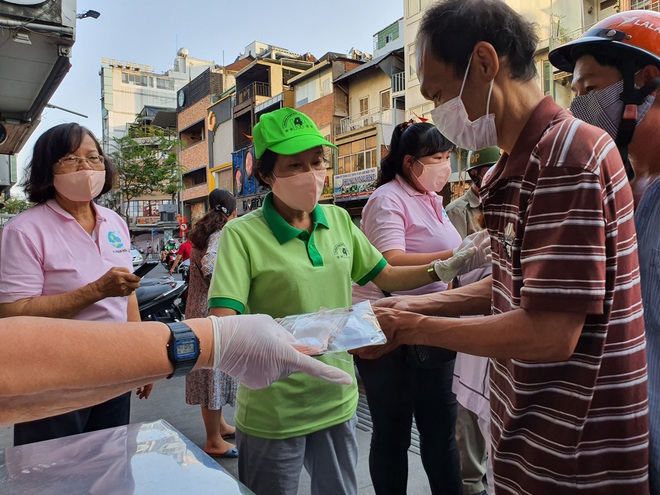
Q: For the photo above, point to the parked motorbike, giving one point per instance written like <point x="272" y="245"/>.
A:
<point x="161" y="299"/>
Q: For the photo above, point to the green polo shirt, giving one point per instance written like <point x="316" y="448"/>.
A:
<point x="267" y="266"/>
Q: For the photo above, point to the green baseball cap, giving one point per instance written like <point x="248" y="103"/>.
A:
<point x="286" y="132"/>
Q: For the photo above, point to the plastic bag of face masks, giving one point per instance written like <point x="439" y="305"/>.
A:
<point x="334" y="330"/>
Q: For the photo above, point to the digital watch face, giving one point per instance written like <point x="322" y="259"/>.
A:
<point x="185" y="349"/>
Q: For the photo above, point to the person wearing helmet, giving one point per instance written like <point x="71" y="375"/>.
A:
<point x="616" y="69"/>
<point x="465" y="212"/>
<point x="471" y="372"/>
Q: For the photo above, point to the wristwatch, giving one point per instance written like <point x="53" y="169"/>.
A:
<point x="182" y="349"/>
<point x="432" y="273"/>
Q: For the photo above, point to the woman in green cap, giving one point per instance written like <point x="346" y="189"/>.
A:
<point x="295" y="256"/>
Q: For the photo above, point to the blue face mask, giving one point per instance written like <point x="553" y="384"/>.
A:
<point x="604" y="108"/>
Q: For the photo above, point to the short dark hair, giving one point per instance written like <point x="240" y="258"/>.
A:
<point x="52" y="145"/>
<point x="417" y="140"/>
<point x="264" y="166"/>
<point x="450" y="30"/>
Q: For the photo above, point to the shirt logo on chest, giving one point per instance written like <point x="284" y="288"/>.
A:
<point x="115" y="240"/>
<point x="507" y="239"/>
<point x="341" y="251"/>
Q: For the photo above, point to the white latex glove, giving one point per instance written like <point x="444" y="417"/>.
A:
<point x="474" y="252"/>
<point x="257" y="352"/>
<point x="479" y="239"/>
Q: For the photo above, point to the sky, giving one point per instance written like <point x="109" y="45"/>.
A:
<point x="150" y="32"/>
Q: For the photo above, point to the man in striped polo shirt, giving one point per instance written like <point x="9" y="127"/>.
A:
<point x="565" y="331"/>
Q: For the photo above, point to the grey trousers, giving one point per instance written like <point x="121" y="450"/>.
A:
<point x="273" y="467"/>
<point x="473" y="451"/>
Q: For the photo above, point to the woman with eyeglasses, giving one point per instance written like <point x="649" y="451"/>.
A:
<point x="294" y="256"/>
<point x="67" y="257"/>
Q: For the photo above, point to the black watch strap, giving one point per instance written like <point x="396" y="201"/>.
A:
<point x="182" y="338"/>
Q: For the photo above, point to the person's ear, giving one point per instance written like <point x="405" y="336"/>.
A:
<point x="268" y="180"/>
<point x="650" y="75"/>
<point x="408" y="162"/>
<point x="485" y="61"/>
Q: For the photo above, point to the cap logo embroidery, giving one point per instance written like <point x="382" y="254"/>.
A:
<point x="294" y="122"/>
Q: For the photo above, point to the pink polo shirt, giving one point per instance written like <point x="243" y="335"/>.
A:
<point x="399" y="217"/>
<point x="44" y="251"/>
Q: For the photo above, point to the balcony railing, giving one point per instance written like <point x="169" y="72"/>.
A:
<point x="645" y="5"/>
<point x="255" y="89"/>
<point x="373" y="116"/>
<point x="560" y="37"/>
<point x="398" y="82"/>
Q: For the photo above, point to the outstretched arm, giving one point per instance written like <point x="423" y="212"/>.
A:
<point x="472" y="299"/>
<point x="52" y="366"/>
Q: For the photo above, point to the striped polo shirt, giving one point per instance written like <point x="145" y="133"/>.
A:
<point x="560" y="213"/>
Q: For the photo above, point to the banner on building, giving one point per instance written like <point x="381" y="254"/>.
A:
<point x="355" y="185"/>
<point x="245" y="182"/>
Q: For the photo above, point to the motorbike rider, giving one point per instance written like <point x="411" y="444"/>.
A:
<point x="182" y="255"/>
<point x="616" y="72"/>
<point x="169" y="246"/>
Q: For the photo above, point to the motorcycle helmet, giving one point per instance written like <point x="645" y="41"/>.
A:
<point x="628" y="36"/>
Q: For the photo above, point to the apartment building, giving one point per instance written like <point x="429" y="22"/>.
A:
<point x="325" y="103"/>
<point x="376" y="103"/>
<point x="128" y="87"/>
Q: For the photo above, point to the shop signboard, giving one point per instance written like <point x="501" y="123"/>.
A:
<point x="355" y="185"/>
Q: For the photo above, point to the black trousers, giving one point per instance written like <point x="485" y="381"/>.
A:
<point x="395" y="391"/>
<point x="115" y="412"/>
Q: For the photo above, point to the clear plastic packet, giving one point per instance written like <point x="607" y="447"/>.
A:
<point x="334" y="330"/>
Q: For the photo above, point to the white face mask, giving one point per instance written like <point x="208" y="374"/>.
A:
<point x="434" y="176"/>
<point x="300" y="192"/>
<point x="453" y="122"/>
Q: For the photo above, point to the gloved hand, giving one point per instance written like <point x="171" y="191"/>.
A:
<point x="257" y="352"/>
<point x="473" y="253"/>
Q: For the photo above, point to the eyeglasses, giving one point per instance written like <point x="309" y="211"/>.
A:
<point x="71" y="162"/>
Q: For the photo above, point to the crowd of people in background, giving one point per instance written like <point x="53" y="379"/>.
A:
<point x="523" y="318"/>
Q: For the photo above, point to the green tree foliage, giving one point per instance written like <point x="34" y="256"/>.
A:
<point x="145" y="166"/>
<point x="13" y="206"/>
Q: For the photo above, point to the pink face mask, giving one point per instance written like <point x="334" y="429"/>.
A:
<point x="300" y="192"/>
<point x="80" y="186"/>
<point x="434" y="176"/>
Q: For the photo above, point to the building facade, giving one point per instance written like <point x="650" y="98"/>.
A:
<point x="261" y="87"/>
<point x="325" y="103"/>
<point x="128" y="87"/>
<point x="376" y="103"/>
<point x="193" y="101"/>
<point x="153" y="128"/>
